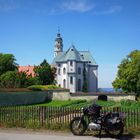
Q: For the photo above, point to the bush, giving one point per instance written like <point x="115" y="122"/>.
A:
<point x="35" y="87"/>
<point x="42" y="87"/>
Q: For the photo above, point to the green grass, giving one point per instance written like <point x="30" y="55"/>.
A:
<point x="83" y="103"/>
<point x="78" y="103"/>
<point x="63" y="103"/>
<point x="106" y="103"/>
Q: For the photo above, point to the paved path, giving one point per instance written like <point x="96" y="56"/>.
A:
<point x="13" y="136"/>
<point x="19" y="135"/>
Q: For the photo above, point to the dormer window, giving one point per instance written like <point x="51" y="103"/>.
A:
<point x="71" y="49"/>
<point x="82" y="56"/>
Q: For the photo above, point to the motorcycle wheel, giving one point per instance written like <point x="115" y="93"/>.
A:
<point x="115" y="133"/>
<point x="78" y="126"/>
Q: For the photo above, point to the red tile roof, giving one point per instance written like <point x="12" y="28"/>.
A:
<point x="28" y="69"/>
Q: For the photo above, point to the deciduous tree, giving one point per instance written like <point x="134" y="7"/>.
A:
<point x="7" y="63"/>
<point x="45" y="73"/>
<point x="128" y="76"/>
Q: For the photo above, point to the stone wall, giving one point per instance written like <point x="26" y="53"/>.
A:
<point x="66" y="95"/>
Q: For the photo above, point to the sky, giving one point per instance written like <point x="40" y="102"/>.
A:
<point x="109" y="29"/>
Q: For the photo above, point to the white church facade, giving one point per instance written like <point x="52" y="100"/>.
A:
<point x="75" y="69"/>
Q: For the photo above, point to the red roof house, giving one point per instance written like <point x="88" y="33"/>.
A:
<point x="28" y="69"/>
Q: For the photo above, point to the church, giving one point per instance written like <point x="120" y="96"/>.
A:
<point x="75" y="69"/>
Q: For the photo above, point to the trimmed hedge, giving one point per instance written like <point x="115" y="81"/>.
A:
<point x="42" y="87"/>
<point x="22" y="98"/>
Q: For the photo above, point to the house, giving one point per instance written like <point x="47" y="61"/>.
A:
<point x="29" y="70"/>
<point x="75" y="69"/>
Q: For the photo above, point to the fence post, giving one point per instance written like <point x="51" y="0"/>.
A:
<point x="42" y="115"/>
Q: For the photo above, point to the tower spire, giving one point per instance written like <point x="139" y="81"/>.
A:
<point x="58" y="48"/>
<point x="58" y="30"/>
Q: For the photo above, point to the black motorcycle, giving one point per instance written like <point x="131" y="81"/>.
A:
<point x="112" y="123"/>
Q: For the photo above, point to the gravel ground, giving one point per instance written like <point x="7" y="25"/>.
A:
<point x="20" y="133"/>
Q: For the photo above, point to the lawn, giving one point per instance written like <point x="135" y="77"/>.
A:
<point x="82" y="103"/>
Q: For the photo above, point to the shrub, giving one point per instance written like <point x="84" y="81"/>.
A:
<point x="42" y="87"/>
<point x="35" y="87"/>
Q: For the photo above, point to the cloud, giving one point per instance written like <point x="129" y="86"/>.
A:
<point x="8" y="5"/>
<point x="111" y="10"/>
<point x="77" y="6"/>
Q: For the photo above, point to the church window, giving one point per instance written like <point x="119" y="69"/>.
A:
<point x="71" y="63"/>
<point x="71" y="80"/>
<point x="59" y="71"/>
<point x="64" y="70"/>
<point x="79" y="70"/>
<point x="79" y="84"/>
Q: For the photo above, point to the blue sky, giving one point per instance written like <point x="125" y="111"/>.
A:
<point x="109" y="29"/>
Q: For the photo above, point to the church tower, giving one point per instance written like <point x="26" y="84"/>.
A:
<point x="58" y="48"/>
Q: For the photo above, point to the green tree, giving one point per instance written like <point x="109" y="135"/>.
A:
<point x="84" y="89"/>
<point x="8" y="79"/>
<point x="13" y="79"/>
<point x="7" y="63"/>
<point x="45" y="73"/>
<point x="128" y="76"/>
<point x="33" y="81"/>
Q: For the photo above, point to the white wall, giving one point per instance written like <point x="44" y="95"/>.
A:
<point x="93" y="78"/>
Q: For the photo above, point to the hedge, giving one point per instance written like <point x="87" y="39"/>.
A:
<point x="22" y="98"/>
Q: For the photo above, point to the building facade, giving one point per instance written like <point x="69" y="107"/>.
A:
<point x="75" y="69"/>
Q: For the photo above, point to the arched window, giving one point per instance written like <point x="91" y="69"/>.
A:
<point x="64" y="70"/>
<point x="71" y="63"/>
<point x="71" y="80"/>
<point x="59" y="71"/>
<point x="79" y="70"/>
<point x="79" y="84"/>
<point x="64" y="83"/>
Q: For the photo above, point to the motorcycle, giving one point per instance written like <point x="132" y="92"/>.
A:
<point x="112" y="123"/>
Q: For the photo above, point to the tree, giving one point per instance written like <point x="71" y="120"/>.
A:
<point x="45" y="73"/>
<point x="33" y="81"/>
<point x="7" y="63"/>
<point x="8" y="79"/>
<point x="128" y="76"/>
<point x="84" y="89"/>
<point x="13" y="79"/>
